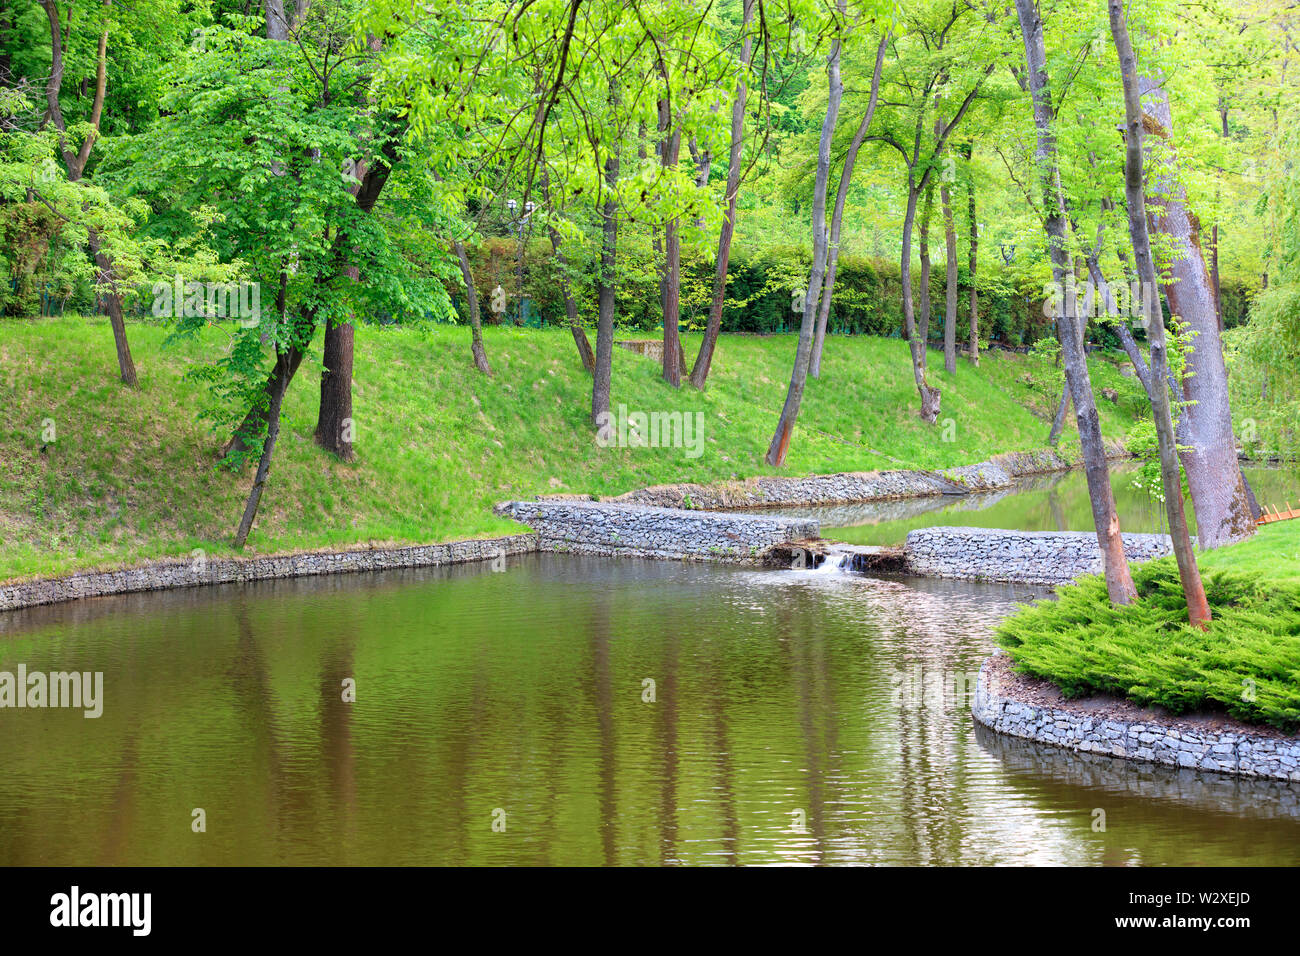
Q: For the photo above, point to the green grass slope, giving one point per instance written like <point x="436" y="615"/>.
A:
<point x="132" y="475"/>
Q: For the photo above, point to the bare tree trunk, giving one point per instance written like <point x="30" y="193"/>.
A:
<point x="286" y="363"/>
<point x="776" y="451"/>
<point x="1119" y="582"/>
<point x="570" y="304"/>
<point x="930" y="397"/>
<point x="76" y="166"/>
<point x="704" y="358"/>
<point x="950" y="292"/>
<point x="113" y="304"/>
<point x="1210" y="457"/>
<point x="334" y="421"/>
<point x="600" y="380"/>
<point x="846" y="176"/>
<point x="926" y="213"/>
<point x="475" y="322"/>
<point x="1198" y="609"/>
<point x="1058" y="422"/>
<point x="974" y="262"/>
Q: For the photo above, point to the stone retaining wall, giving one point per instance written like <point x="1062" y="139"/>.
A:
<point x="197" y="571"/>
<point x="588" y="527"/>
<point x="1029" y="557"/>
<point x="1150" y="739"/>
<point x="1001" y="471"/>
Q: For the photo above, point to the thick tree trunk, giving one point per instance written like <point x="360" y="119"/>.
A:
<point x="1210" y="448"/>
<point x="286" y="364"/>
<point x="334" y="418"/>
<point x="974" y="263"/>
<point x="950" y="291"/>
<point x="1198" y="609"/>
<point x="780" y="444"/>
<point x="1119" y="582"/>
<point x="930" y="397"/>
<point x="837" y="217"/>
<point x="475" y="324"/>
<point x="334" y="421"/>
<point x="600" y="380"/>
<point x="704" y="358"/>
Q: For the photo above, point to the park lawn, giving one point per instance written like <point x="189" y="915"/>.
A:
<point x="1247" y="664"/>
<point x="132" y="473"/>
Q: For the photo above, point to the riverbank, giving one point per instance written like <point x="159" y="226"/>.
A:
<point x="94" y="476"/>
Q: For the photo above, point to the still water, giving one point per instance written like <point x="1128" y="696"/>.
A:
<point x="1055" y="502"/>
<point x="595" y="711"/>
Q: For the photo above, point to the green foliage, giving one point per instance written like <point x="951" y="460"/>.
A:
<point x="1247" y="664"/>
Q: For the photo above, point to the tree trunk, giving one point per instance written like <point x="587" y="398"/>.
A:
<point x="76" y="166"/>
<point x="1198" y="609"/>
<point x="566" y="289"/>
<point x="704" y="358"/>
<point x="974" y="263"/>
<point x="926" y="212"/>
<point x="950" y="292"/>
<point x="846" y="175"/>
<point x="334" y="420"/>
<point x="113" y="304"/>
<point x="285" y="366"/>
<point x="780" y="444"/>
<point x="672" y="282"/>
<point x="1058" y="422"/>
<point x="600" y="380"/>
<point x="1210" y="448"/>
<point x="930" y="397"/>
<point x="475" y="324"/>
<point x="1119" y="582"/>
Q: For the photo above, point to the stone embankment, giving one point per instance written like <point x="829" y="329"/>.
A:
<point x="198" y="569"/>
<point x="1018" y="706"/>
<point x="588" y="527"/>
<point x="1029" y="557"/>
<point x="771" y="491"/>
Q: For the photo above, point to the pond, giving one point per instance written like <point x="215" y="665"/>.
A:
<point x="571" y="710"/>
<point x="1052" y="502"/>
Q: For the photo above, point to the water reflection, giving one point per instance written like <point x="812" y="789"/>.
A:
<point x="796" y="718"/>
<point x="1052" y="502"/>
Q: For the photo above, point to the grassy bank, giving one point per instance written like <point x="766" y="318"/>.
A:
<point x="1247" y="664"/>
<point x="131" y="474"/>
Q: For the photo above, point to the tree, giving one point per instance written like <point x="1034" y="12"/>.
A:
<point x="704" y="358"/>
<point x="75" y="162"/>
<point x="1198" y="610"/>
<point x="780" y="444"/>
<point x="1119" y="582"/>
<point x="837" y="217"/>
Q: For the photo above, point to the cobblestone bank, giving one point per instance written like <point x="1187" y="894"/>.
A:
<point x="772" y="491"/>
<point x="1174" y="743"/>
<point x="1029" y="557"/>
<point x="198" y="570"/>
<point x="588" y="527"/>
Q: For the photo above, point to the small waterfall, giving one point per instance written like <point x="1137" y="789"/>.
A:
<point x="835" y="562"/>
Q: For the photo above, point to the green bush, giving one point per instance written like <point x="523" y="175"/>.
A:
<point x="1247" y="664"/>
